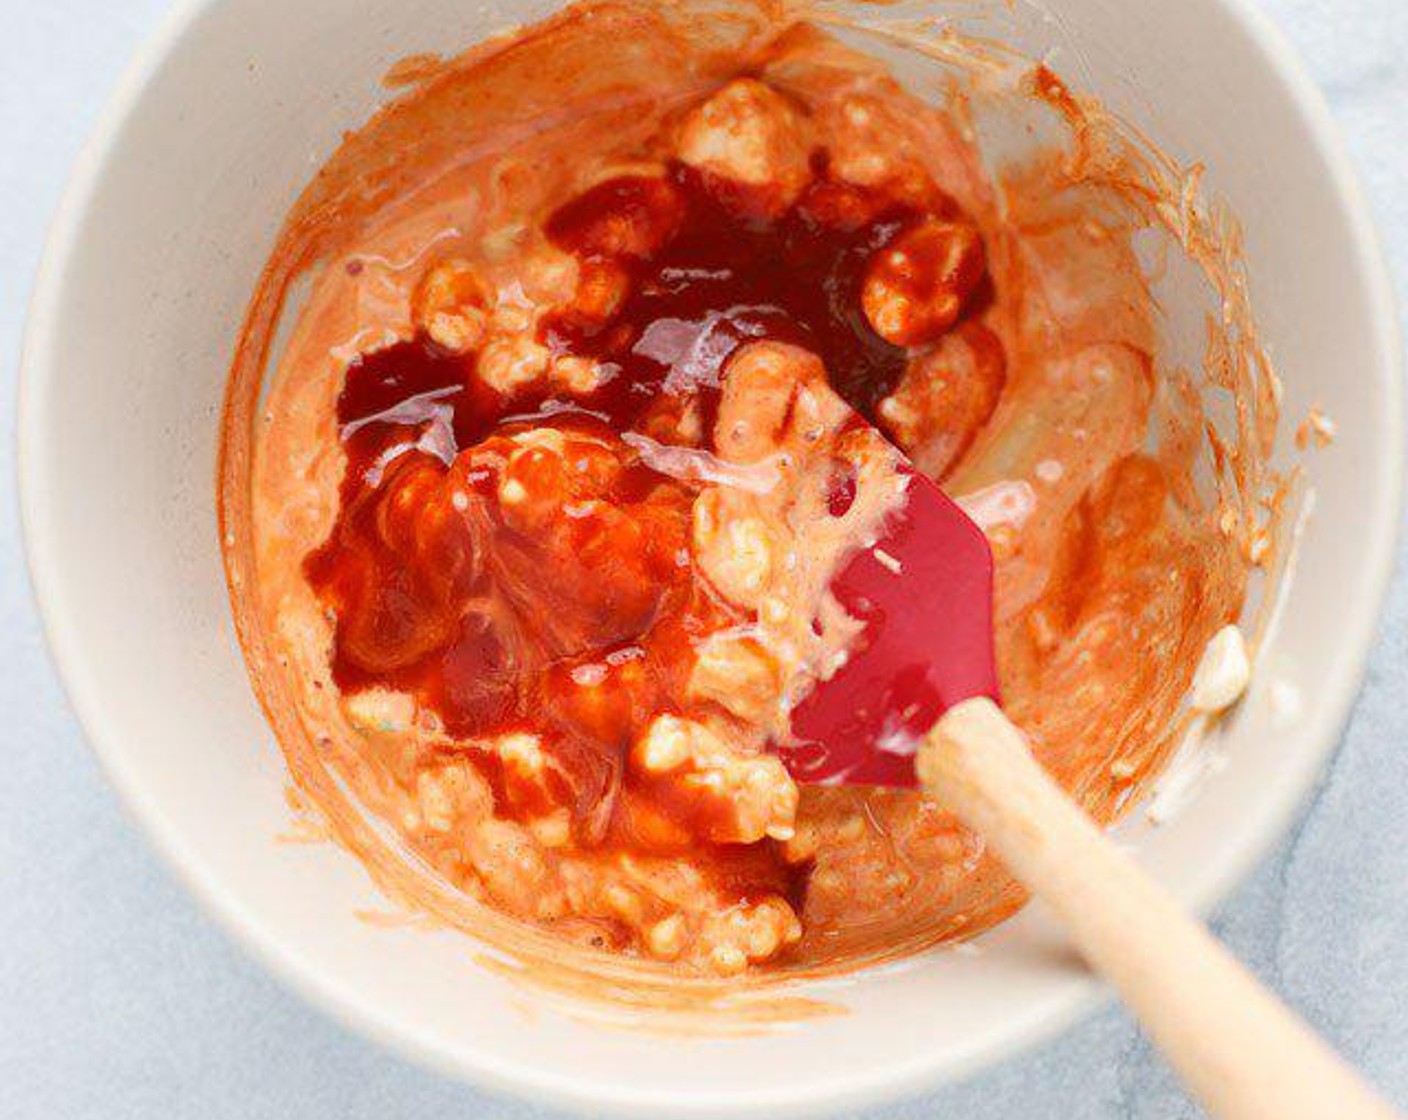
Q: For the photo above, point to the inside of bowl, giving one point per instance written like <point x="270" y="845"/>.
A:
<point x="142" y="297"/>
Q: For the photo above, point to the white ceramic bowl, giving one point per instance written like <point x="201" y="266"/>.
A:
<point x="154" y="253"/>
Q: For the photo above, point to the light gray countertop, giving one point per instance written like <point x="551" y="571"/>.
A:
<point x="118" y="998"/>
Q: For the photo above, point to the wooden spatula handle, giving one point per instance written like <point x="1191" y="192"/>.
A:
<point x="1239" y="1050"/>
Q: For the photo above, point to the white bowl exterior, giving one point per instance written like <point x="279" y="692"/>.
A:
<point x="153" y="257"/>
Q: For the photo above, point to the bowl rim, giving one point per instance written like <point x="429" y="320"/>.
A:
<point x="63" y="638"/>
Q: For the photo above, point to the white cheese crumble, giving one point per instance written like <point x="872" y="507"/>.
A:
<point x="886" y="561"/>
<point x="1223" y="673"/>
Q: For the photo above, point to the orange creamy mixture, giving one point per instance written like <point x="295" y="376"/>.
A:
<point x="560" y="457"/>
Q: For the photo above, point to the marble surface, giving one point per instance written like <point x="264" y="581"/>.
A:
<point x="118" y="998"/>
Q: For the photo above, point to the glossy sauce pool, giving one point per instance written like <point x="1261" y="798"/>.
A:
<point x="718" y="283"/>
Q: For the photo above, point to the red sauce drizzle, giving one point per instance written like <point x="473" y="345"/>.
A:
<point x="721" y="281"/>
<point x="606" y="595"/>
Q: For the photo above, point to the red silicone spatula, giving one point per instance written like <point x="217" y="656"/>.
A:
<point x="914" y="705"/>
<point x="924" y="593"/>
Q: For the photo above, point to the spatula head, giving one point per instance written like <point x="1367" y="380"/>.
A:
<point x="924" y="594"/>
